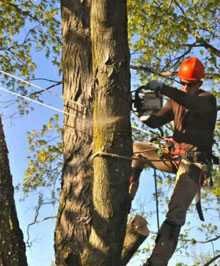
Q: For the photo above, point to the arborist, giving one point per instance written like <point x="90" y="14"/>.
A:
<point x="193" y="112"/>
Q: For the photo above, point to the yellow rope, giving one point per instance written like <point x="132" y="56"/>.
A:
<point x="113" y="155"/>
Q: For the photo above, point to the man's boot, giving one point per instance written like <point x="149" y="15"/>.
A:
<point x="166" y="243"/>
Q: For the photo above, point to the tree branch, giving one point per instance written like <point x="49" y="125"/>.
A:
<point x="169" y="74"/>
<point x="153" y="71"/>
<point x="213" y="259"/>
<point x="36" y="222"/>
<point x="205" y="44"/>
<point x="44" y="79"/>
<point x="48" y="88"/>
<point x="35" y="218"/>
<point x="136" y="233"/>
<point x="199" y="39"/>
<point x="26" y="13"/>
<point x="202" y="242"/>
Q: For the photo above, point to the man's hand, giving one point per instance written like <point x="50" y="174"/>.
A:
<point x="154" y="85"/>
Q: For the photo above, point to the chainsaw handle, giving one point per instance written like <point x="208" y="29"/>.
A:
<point x="137" y="102"/>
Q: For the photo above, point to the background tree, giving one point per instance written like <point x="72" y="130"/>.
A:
<point x="12" y="247"/>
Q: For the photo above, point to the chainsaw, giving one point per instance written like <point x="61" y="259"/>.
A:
<point x="144" y="102"/>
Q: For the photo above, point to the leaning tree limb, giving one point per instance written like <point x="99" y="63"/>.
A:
<point x="136" y="233"/>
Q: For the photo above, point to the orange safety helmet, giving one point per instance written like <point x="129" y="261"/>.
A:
<point x="191" y="69"/>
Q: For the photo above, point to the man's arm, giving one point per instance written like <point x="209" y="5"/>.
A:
<point x="161" y="117"/>
<point x="204" y="103"/>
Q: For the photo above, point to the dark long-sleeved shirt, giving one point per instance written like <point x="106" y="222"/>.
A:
<point x="194" y="118"/>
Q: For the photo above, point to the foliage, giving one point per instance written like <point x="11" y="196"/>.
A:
<point x="45" y="160"/>
<point x="28" y="24"/>
<point x="27" y="27"/>
<point x="162" y="33"/>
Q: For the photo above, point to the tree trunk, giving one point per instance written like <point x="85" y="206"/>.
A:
<point x="112" y="132"/>
<point x="12" y="247"/>
<point x="111" y="80"/>
<point x="74" y="215"/>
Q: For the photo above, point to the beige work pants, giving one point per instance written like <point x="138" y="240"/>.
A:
<point x="146" y="153"/>
<point x="187" y="178"/>
<point x="187" y="185"/>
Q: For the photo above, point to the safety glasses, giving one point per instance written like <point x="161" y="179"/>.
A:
<point x="189" y="84"/>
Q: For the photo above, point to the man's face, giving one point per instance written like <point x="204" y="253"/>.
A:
<point x="191" y="87"/>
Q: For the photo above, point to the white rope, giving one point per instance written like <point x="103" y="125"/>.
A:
<point x="63" y="112"/>
<point x="40" y="88"/>
<point x="49" y="106"/>
<point x="37" y="102"/>
<point x="140" y="129"/>
<point x="51" y="92"/>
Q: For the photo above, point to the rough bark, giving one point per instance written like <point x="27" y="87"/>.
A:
<point x="112" y="61"/>
<point x="12" y="247"/>
<point x="112" y="132"/>
<point x="74" y="215"/>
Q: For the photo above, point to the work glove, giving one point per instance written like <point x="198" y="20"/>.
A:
<point x="143" y="117"/>
<point x="154" y="85"/>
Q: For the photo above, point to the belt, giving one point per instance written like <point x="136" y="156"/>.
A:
<point x="197" y="156"/>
